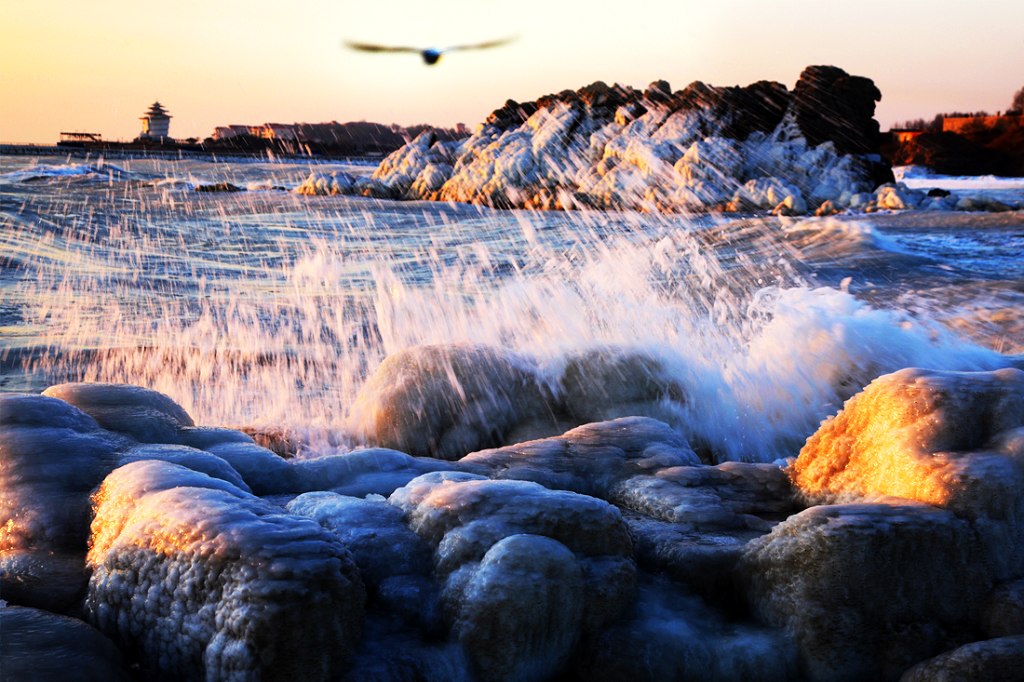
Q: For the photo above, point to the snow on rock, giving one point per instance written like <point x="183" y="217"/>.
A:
<point x="867" y="589"/>
<point x="589" y="459"/>
<point x="993" y="659"/>
<point x="44" y="647"/>
<point x="621" y="148"/>
<point x="447" y="401"/>
<point x="496" y="541"/>
<point x="51" y="457"/>
<point x="199" y="579"/>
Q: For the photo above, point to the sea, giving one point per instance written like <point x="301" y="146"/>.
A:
<point x="263" y="308"/>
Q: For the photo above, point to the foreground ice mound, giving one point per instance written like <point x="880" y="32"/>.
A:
<point x="200" y="580"/>
<point x="701" y="148"/>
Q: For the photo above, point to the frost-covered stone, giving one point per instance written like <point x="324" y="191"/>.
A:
<point x="867" y="589"/>
<point x="52" y="455"/>
<point x="620" y="148"/>
<point x="993" y="659"/>
<point x="44" y="647"/>
<point x="335" y="182"/>
<point x="191" y="458"/>
<point x="607" y="383"/>
<point x="447" y="401"/>
<point x="950" y="439"/>
<point x="589" y="459"/>
<point x="377" y="471"/>
<point x="201" y="580"/>
<point x="140" y="413"/>
<point x="492" y="539"/>
<point x="669" y="634"/>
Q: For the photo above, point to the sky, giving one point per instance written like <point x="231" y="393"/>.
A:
<point x="96" y="66"/>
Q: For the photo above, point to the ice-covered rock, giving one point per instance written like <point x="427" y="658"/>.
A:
<point x="141" y="413"/>
<point x="950" y="439"/>
<point x="867" y="590"/>
<point x="589" y="459"/>
<point x="335" y="182"/>
<point x="39" y="646"/>
<point x="191" y="458"/>
<point x="1004" y="612"/>
<point x="670" y="634"/>
<point x="527" y="571"/>
<point x="617" y="147"/>
<point x="447" y="401"/>
<point x="52" y="455"/>
<point x="198" y="579"/>
<point x="986" y="661"/>
<point x="692" y="523"/>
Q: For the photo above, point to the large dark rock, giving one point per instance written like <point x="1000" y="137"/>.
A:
<point x="830" y="104"/>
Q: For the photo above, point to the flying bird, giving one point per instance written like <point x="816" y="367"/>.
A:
<point x="431" y="55"/>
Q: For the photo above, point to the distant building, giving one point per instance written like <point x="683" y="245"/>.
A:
<point x="155" y="124"/>
<point x="957" y="124"/>
<point x="902" y="135"/>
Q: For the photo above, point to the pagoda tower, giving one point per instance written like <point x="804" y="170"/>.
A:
<point x="155" y="124"/>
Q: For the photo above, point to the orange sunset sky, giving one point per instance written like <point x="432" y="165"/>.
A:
<point x="97" y="66"/>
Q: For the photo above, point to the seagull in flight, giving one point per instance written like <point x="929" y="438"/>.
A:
<point x="431" y="55"/>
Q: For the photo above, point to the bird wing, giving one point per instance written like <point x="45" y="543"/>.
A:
<point x="480" y="46"/>
<point x="370" y="47"/>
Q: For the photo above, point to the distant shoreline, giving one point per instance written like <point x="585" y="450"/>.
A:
<point x="169" y="152"/>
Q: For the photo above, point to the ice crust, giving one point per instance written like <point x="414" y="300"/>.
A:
<point x="608" y="551"/>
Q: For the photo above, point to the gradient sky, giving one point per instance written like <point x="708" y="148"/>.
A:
<point x="96" y="66"/>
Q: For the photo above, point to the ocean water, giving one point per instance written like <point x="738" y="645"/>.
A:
<point x="268" y="309"/>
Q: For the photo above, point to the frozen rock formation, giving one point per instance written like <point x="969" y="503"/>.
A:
<point x="447" y="401"/>
<point x="867" y="589"/>
<point x="589" y="459"/>
<point x="701" y="148"/>
<point x="44" y="647"/>
<point x="528" y="572"/>
<point x="994" y="659"/>
<point x="52" y="455"/>
<point x="197" y="579"/>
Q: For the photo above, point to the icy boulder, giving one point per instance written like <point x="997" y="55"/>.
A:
<point x="950" y="439"/>
<point x="670" y="634"/>
<point x="657" y="150"/>
<point x="607" y="383"/>
<point x="143" y="414"/>
<point x="44" y="647"/>
<point x="336" y="182"/>
<point x="190" y="458"/>
<point x="867" y="590"/>
<point x="199" y="580"/>
<point x="52" y="455"/>
<point x="993" y="659"/>
<point x="528" y="572"/>
<point x="447" y="401"/>
<point x="589" y="459"/>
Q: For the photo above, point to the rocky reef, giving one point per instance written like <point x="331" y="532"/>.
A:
<point x="135" y="544"/>
<point x="703" y="148"/>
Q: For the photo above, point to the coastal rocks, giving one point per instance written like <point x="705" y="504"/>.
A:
<point x="943" y="438"/>
<point x="447" y="401"/>
<point x="589" y="459"/>
<point x="994" y="659"/>
<point x="199" y="579"/>
<point x="336" y="182"/>
<point x="496" y="541"/>
<point x="44" y="647"/>
<point x="51" y="457"/>
<point x="620" y="148"/>
<point x="867" y="589"/>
